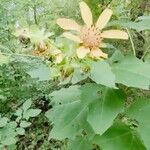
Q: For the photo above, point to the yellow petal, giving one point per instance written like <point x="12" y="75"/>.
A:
<point x="114" y="34"/>
<point x="68" y="24"/>
<point x="82" y="52"/>
<point x="97" y="53"/>
<point x="104" y="18"/>
<point x="86" y="14"/>
<point x="72" y="37"/>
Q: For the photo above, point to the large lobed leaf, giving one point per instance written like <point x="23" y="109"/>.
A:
<point x="119" y="137"/>
<point x="132" y="72"/>
<point x="140" y="111"/>
<point x="80" y="143"/>
<point x="129" y="71"/>
<point x="73" y="106"/>
<point x="101" y="73"/>
<point x="103" y="112"/>
<point x="42" y="73"/>
<point x="69" y="113"/>
<point x="142" y="24"/>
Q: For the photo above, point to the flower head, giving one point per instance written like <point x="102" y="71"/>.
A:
<point x="90" y="36"/>
<point x="41" y="45"/>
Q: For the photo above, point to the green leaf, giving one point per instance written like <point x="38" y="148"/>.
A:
<point x="117" y="56"/>
<point x="25" y="124"/>
<point x="20" y="131"/>
<point x="69" y="110"/>
<point x="65" y="95"/>
<point x="101" y="73"/>
<point x="12" y="147"/>
<point x="132" y="72"/>
<point x="141" y="25"/>
<point x="26" y="105"/>
<point x="90" y="93"/>
<point x="42" y="73"/>
<point x="78" y="76"/>
<point x="19" y="112"/>
<point x="80" y="143"/>
<point x="31" y="113"/>
<point x="103" y="112"/>
<point x="8" y="134"/>
<point x="119" y="137"/>
<point x="9" y="141"/>
<point x="67" y="119"/>
<point x="140" y="111"/>
<point x="3" y="121"/>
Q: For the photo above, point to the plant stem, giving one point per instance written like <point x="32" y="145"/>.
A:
<point x="146" y="52"/>
<point x="35" y="15"/>
<point x="131" y="40"/>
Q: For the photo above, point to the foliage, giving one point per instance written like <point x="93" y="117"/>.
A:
<point x="52" y="99"/>
<point x="10" y="129"/>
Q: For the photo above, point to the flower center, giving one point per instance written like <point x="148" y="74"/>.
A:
<point x="91" y="37"/>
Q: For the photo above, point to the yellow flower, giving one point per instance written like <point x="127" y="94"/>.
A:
<point x="90" y="36"/>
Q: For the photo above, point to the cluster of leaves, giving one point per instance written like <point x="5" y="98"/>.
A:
<point x="10" y="130"/>
<point x="97" y="105"/>
<point x="97" y="115"/>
